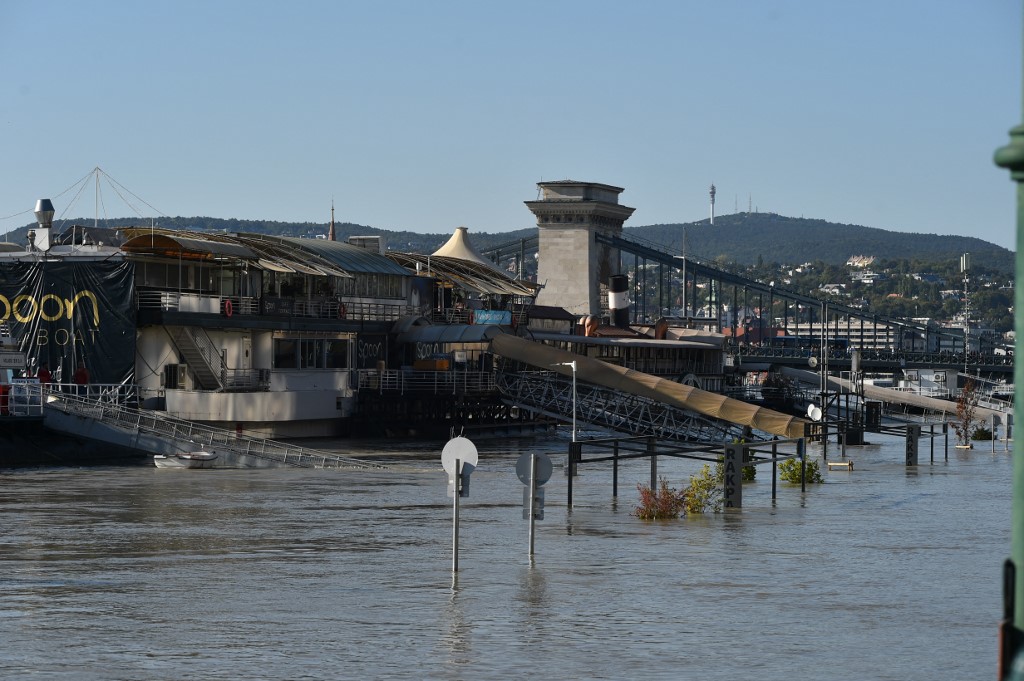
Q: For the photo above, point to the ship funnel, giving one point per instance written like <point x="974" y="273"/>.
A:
<point x="618" y="299"/>
<point x="40" y="238"/>
<point x="44" y="213"/>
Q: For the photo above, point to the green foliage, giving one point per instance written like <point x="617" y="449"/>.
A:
<point x="703" y="495"/>
<point x="982" y="433"/>
<point x="705" y="492"/>
<point x="744" y="237"/>
<point x="659" y="504"/>
<point x="747" y="473"/>
<point x="789" y="470"/>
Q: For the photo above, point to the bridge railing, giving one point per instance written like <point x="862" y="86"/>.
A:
<point x="892" y="356"/>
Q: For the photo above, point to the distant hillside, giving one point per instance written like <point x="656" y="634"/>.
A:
<point x="741" y="238"/>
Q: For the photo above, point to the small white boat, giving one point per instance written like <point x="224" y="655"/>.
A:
<point x="185" y="460"/>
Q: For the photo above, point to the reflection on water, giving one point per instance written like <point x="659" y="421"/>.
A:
<point x="137" y="573"/>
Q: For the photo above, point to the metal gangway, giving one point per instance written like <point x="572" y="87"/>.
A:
<point x="181" y="435"/>
<point x="550" y="394"/>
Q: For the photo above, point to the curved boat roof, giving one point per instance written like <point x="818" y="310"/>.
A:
<point x="465" y="274"/>
<point x="274" y="253"/>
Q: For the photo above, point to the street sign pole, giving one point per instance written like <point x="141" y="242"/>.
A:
<point x="459" y="459"/>
<point x="455" y="519"/>
<point x="533" y="470"/>
<point x="533" y="496"/>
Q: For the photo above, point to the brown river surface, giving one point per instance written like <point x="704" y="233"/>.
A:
<point x="883" y="572"/>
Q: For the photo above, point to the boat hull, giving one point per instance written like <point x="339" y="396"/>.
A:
<point x="190" y="460"/>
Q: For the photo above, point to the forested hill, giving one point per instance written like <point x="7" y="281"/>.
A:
<point x="746" y="237"/>
<point x="743" y="238"/>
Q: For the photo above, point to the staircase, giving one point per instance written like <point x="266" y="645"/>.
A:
<point x="203" y="359"/>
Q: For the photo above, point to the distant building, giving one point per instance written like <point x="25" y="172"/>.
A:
<point x="860" y="260"/>
<point x="866" y="277"/>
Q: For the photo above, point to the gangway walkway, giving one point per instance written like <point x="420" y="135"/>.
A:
<point x="626" y="400"/>
<point x="156" y="433"/>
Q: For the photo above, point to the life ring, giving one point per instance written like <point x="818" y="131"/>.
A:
<point x="342" y="311"/>
<point x="229" y="309"/>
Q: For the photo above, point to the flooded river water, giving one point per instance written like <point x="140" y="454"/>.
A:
<point x="883" y="572"/>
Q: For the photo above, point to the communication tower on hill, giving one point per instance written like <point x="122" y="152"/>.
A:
<point x="712" y="203"/>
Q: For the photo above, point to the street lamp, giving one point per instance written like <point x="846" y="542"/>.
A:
<point x="573" y="365"/>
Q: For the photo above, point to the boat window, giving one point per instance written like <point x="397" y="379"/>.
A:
<point x="285" y="354"/>
<point x="337" y="354"/>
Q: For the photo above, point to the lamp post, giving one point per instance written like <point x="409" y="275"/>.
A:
<point x="573" y="365"/>
<point x="1011" y="157"/>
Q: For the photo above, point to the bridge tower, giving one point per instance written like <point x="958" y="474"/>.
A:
<point x="572" y="266"/>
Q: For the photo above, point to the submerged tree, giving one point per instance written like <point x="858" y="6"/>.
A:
<point x="966" y="416"/>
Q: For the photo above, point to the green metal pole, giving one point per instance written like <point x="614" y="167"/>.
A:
<point x="1011" y="157"/>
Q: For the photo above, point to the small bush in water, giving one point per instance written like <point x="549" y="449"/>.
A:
<point x="658" y="504"/>
<point x="705" y="491"/>
<point x="789" y="470"/>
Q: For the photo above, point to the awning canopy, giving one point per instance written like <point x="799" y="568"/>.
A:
<point x="175" y="245"/>
<point x="701" y="343"/>
<point x="450" y="333"/>
<point x="272" y="254"/>
<point x="465" y="274"/>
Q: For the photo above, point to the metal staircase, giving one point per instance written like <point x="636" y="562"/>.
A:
<point x="203" y="359"/>
<point x="550" y="394"/>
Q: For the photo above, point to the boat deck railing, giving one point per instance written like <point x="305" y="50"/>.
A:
<point x="450" y="382"/>
<point x="316" y="307"/>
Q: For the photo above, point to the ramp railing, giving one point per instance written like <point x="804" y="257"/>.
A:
<point x="188" y="434"/>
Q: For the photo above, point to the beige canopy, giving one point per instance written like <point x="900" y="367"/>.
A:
<point x="458" y="246"/>
<point x="660" y="389"/>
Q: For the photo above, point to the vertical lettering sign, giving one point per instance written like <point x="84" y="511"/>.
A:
<point x="732" y="492"/>
<point x="65" y="314"/>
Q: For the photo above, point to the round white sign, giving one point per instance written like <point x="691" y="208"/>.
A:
<point x="458" y="448"/>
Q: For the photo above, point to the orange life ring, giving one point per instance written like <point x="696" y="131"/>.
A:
<point x="229" y="309"/>
<point x="342" y="311"/>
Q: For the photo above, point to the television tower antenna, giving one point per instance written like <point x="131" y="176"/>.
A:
<point x="712" y="203"/>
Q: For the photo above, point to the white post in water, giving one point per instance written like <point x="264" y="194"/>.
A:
<point x="458" y="458"/>
<point x="533" y="497"/>
<point x="455" y="520"/>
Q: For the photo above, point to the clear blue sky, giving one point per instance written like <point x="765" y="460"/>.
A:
<point x="425" y="115"/>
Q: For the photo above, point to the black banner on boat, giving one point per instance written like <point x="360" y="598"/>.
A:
<point x="65" y="314"/>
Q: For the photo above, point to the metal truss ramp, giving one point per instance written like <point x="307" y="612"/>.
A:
<point x="626" y="400"/>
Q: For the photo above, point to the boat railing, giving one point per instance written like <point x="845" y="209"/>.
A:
<point x="454" y="382"/>
<point x="27" y="397"/>
<point x="246" y="379"/>
<point x="924" y="391"/>
<point x="188" y="433"/>
<point x="317" y="307"/>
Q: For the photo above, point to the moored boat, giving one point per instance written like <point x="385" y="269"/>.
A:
<point x="186" y="460"/>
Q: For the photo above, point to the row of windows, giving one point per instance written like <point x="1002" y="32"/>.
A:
<point x="310" y="353"/>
